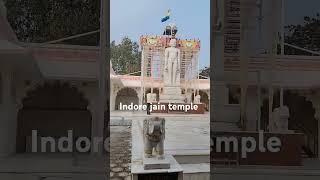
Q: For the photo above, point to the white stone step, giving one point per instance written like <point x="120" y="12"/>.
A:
<point x="120" y="121"/>
<point x="224" y="126"/>
<point x="193" y="159"/>
<point x="171" y="90"/>
<point x="199" y="171"/>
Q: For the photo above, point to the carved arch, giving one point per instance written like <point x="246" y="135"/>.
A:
<point x="52" y="108"/>
<point x="126" y="96"/>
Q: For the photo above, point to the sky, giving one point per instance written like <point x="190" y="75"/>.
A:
<point x="134" y="18"/>
<point x="297" y="9"/>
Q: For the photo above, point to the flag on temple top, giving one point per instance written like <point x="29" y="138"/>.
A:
<point x="167" y="17"/>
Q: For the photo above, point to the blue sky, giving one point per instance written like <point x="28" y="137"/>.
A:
<point x="134" y="18"/>
<point x="297" y="9"/>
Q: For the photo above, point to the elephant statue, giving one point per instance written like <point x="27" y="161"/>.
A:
<point x="197" y="99"/>
<point x="279" y="120"/>
<point x="154" y="135"/>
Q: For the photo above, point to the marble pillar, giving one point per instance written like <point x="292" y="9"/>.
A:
<point x="171" y="74"/>
<point x="113" y="96"/>
<point x="97" y="126"/>
<point x="8" y="114"/>
<point x="218" y="86"/>
<point x="316" y="105"/>
<point x="315" y="99"/>
<point x="252" y="109"/>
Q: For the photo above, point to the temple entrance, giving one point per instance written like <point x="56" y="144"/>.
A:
<point x="52" y="110"/>
<point x="126" y="96"/>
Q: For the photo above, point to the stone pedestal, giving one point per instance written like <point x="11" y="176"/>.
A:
<point x="171" y="94"/>
<point x="175" y="172"/>
<point x="156" y="163"/>
<point x="138" y="162"/>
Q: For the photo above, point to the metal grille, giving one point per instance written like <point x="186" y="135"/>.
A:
<point x="154" y="62"/>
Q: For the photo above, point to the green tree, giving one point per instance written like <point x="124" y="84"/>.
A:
<point x="305" y="35"/>
<point x="125" y="56"/>
<point x="204" y="72"/>
<point x="46" y="20"/>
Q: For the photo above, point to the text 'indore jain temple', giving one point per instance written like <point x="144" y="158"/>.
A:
<point x="256" y="87"/>
<point x="169" y="144"/>
<point x="53" y="88"/>
<point x="163" y="82"/>
<point x="253" y="88"/>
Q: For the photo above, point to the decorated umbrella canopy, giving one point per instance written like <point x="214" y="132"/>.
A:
<point x="170" y="30"/>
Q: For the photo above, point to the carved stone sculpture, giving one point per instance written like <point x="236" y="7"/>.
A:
<point x="279" y="120"/>
<point x="189" y="97"/>
<point x="172" y="64"/>
<point x="154" y="97"/>
<point x="171" y="75"/>
<point x="154" y="135"/>
<point x="149" y="98"/>
<point x="197" y="99"/>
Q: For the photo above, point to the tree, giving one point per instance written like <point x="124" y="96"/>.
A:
<point x="126" y="56"/>
<point x="305" y="35"/>
<point x="46" y="20"/>
<point x="205" y="72"/>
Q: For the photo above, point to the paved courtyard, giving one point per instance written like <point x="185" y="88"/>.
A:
<point x="186" y="136"/>
<point x="120" y="156"/>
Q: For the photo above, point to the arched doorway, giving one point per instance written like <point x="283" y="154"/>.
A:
<point x="52" y="109"/>
<point x="126" y="96"/>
